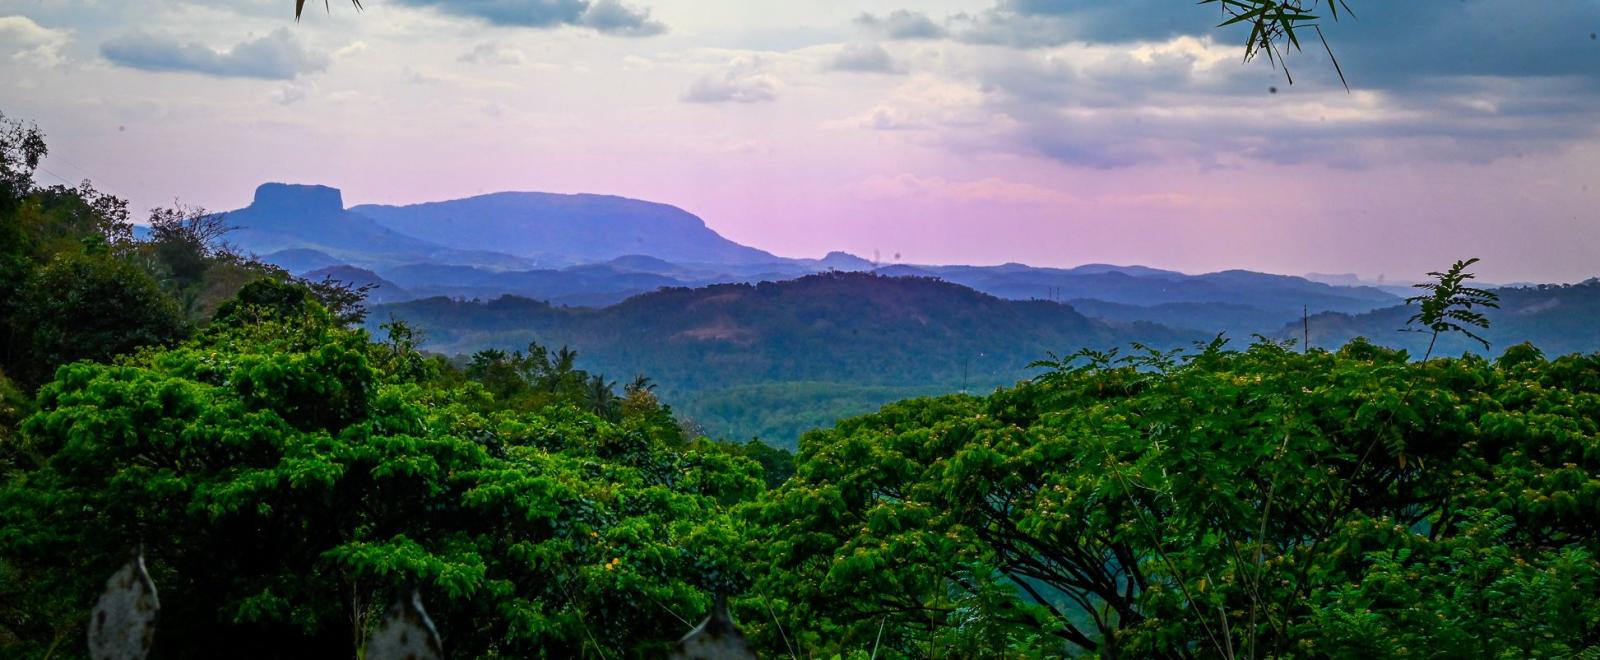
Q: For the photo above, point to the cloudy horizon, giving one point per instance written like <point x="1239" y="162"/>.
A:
<point x="1050" y="132"/>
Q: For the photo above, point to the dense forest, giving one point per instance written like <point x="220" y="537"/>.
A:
<point x="866" y="338"/>
<point x="286" y="472"/>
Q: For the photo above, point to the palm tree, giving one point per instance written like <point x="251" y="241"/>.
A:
<point x="641" y="384"/>
<point x="602" y="399"/>
<point x="300" y="6"/>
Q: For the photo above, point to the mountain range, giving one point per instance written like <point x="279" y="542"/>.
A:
<point x="1558" y="319"/>
<point x="753" y="343"/>
<point x="565" y="229"/>
<point x="597" y="250"/>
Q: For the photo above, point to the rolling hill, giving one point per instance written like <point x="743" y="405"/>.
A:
<point x="861" y="331"/>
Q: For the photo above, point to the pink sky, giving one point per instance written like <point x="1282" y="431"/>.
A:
<point x="962" y="132"/>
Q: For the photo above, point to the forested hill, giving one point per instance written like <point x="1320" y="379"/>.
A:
<point x="854" y="327"/>
<point x="1558" y="319"/>
<point x="860" y="331"/>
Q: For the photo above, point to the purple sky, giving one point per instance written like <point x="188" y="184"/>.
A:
<point x="1050" y="132"/>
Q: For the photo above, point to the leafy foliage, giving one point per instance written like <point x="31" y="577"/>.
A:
<point x="284" y="487"/>
<point x="300" y="5"/>
<point x="343" y="299"/>
<point x="1220" y="503"/>
<point x="22" y="146"/>
<point x="779" y="413"/>
<point x="92" y="307"/>
<point x="1448" y="305"/>
<point x="1275" y="24"/>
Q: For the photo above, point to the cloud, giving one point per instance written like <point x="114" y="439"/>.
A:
<point x="744" y="80"/>
<point x="1190" y="100"/>
<point x="293" y="92"/>
<point x="1044" y="23"/>
<point x="926" y="102"/>
<point x="276" y="56"/>
<point x="612" y="17"/>
<point x="1104" y="85"/>
<point x="487" y="53"/>
<point x="606" y="16"/>
<point x="903" y="24"/>
<point x="355" y="48"/>
<point x="864" y="58"/>
<point x="34" y="43"/>
<point x="1393" y="44"/>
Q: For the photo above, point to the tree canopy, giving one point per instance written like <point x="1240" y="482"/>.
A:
<point x="286" y="477"/>
<point x="1255" y="503"/>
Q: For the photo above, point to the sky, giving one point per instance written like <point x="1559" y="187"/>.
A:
<point x="1048" y="132"/>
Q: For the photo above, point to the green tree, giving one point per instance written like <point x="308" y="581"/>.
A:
<point x="22" y="146"/>
<point x="185" y="240"/>
<point x="91" y="307"/>
<point x="286" y="484"/>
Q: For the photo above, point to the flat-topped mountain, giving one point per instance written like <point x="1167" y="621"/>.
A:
<point x="301" y="224"/>
<point x="306" y="217"/>
<point x="578" y="228"/>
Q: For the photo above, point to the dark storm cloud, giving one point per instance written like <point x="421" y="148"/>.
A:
<point x="606" y="16"/>
<point x="903" y="24"/>
<point x="1474" y="80"/>
<point x="277" y="56"/>
<point x="1043" y="23"/>
<point x="1390" y="42"/>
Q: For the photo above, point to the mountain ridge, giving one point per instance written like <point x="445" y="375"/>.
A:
<point x="585" y="227"/>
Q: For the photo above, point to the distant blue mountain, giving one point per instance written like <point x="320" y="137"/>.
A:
<point x="382" y="291"/>
<point x="598" y="250"/>
<point x="292" y="221"/>
<point x="301" y="260"/>
<point x="1135" y="271"/>
<point x="284" y="216"/>
<point x="580" y="228"/>
<point x="844" y="261"/>
<point x="1283" y="295"/>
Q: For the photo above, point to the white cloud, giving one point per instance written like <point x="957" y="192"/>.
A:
<point x="490" y="53"/>
<point x="925" y="101"/>
<point x="743" y="80"/>
<point x="34" y="44"/>
<point x="864" y="58"/>
<point x="293" y="92"/>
